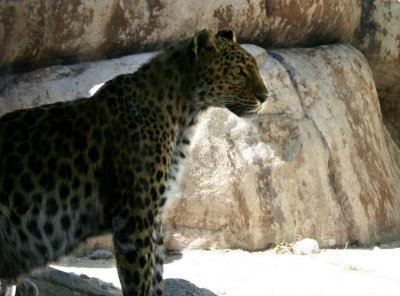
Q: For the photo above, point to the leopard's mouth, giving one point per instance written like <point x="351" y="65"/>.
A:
<point x="241" y="110"/>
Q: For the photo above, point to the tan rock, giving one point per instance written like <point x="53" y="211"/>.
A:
<point x="37" y="33"/>
<point x="318" y="163"/>
<point x="378" y="37"/>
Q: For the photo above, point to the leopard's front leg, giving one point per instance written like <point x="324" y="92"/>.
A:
<point x="158" y="237"/>
<point x="135" y="255"/>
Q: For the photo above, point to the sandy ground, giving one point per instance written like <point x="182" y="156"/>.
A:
<point x="367" y="272"/>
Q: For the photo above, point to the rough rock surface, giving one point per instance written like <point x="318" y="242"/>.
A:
<point x="378" y="37"/>
<point x="37" y="33"/>
<point x="55" y="282"/>
<point x="309" y="23"/>
<point x="317" y="163"/>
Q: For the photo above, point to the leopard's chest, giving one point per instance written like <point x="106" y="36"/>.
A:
<point x="179" y="161"/>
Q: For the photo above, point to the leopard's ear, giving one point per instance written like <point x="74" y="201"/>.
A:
<point x="202" y="43"/>
<point x="227" y="34"/>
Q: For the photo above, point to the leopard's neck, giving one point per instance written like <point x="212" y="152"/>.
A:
<point x="159" y="98"/>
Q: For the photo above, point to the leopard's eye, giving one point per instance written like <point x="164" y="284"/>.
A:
<point x="238" y="71"/>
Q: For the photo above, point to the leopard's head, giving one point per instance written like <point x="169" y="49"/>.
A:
<point x="226" y="74"/>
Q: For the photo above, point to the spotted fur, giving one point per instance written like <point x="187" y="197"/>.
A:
<point x="72" y="170"/>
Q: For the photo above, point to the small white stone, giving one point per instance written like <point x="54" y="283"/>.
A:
<point x="306" y="246"/>
<point x="331" y="242"/>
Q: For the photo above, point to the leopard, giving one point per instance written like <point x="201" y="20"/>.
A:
<point x="108" y="163"/>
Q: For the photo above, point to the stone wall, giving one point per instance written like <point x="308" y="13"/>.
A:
<point x="38" y="33"/>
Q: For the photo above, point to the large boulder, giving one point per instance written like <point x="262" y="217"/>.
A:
<point x="316" y="163"/>
<point x="37" y="33"/>
<point x="378" y="37"/>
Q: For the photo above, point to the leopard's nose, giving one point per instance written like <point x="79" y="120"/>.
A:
<point x="262" y="97"/>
